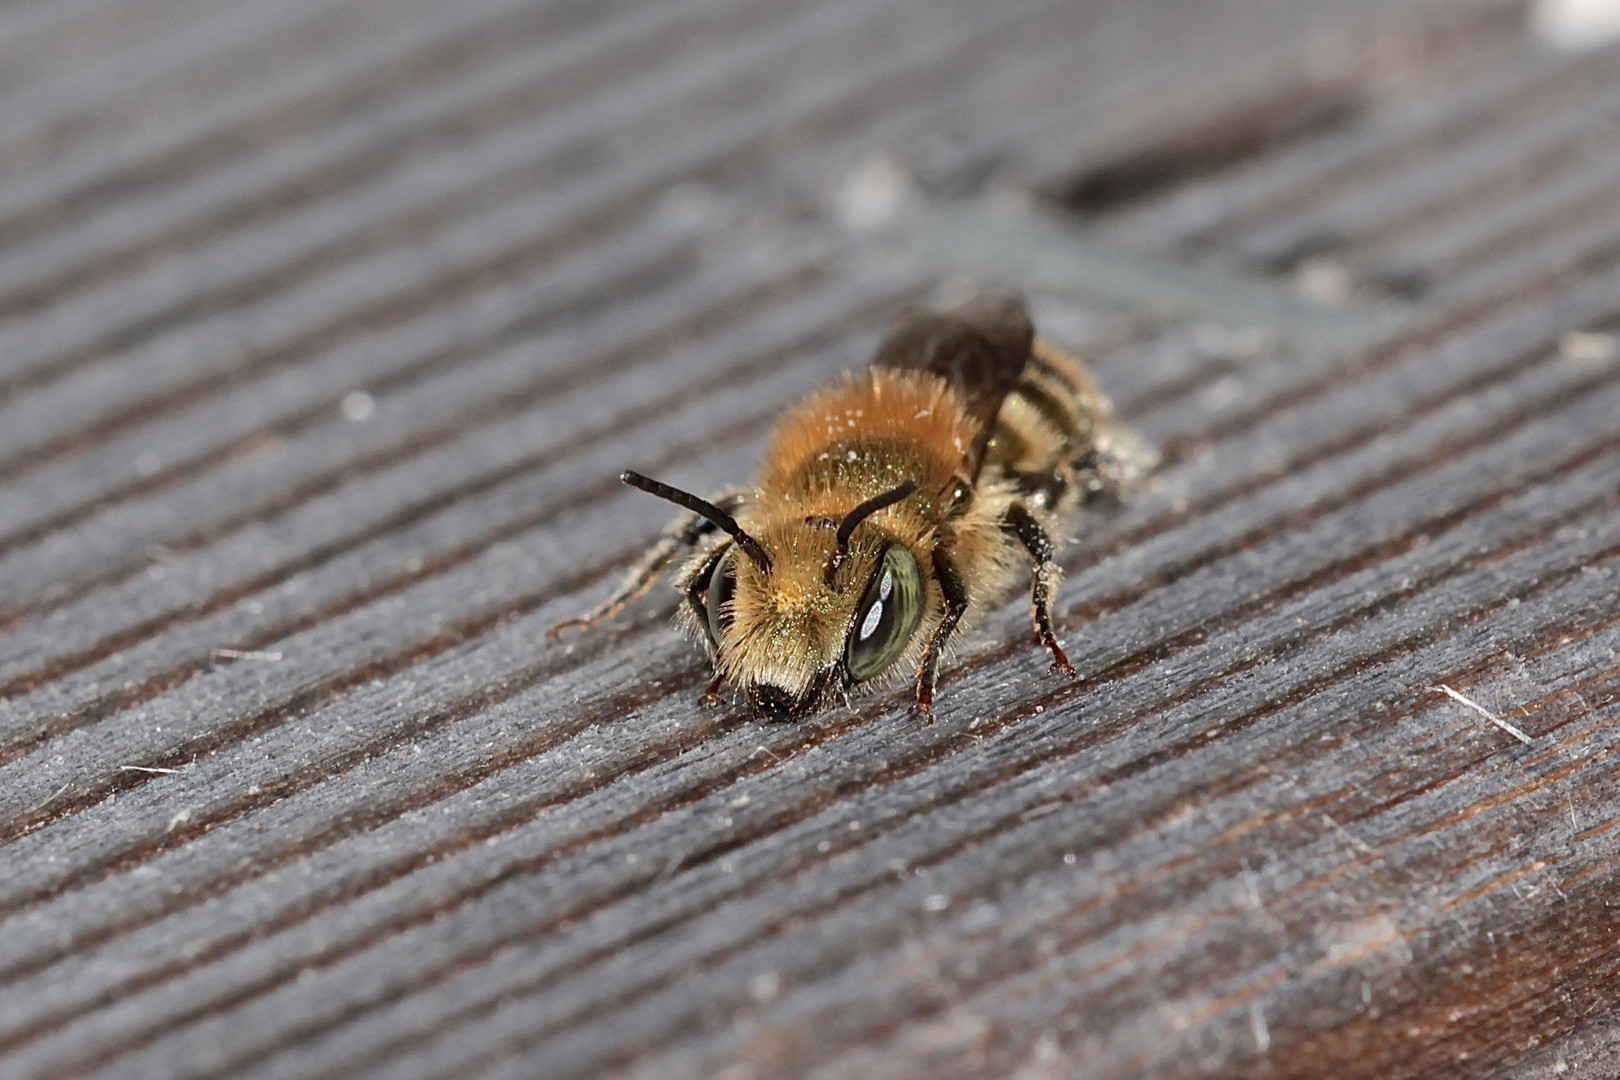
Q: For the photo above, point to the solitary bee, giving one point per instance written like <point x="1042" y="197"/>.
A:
<point x="892" y="509"/>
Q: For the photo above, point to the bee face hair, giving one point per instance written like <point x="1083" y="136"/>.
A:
<point x="790" y="638"/>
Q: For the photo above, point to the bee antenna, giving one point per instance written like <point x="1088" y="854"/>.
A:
<point x="723" y="520"/>
<point x="852" y="519"/>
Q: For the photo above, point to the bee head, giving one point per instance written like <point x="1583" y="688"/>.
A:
<point x="836" y="605"/>
<point x="805" y="606"/>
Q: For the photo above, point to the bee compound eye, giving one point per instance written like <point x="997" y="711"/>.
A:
<point x="887" y="615"/>
<point x="717" y="599"/>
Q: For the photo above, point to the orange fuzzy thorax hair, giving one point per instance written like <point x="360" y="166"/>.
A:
<point x="864" y="435"/>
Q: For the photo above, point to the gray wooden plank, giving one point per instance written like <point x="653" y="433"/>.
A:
<point x="179" y="144"/>
<point x="139" y="46"/>
<point x="183" y="210"/>
<point x="499" y="166"/>
<point x="387" y="361"/>
<point x="425" y="843"/>
<point x="1437" y="617"/>
<point x="1223" y="207"/>
<point x="1584" y="195"/>
<point x="1356" y="533"/>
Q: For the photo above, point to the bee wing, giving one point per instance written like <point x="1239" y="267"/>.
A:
<point x="979" y="348"/>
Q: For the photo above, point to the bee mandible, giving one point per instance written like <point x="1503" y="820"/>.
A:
<point x="892" y="509"/>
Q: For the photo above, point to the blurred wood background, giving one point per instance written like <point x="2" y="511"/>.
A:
<point x="326" y="325"/>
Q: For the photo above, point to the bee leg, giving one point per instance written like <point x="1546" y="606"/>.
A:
<point x="1089" y="470"/>
<point x="685" y="533"/>
<point x="956" y="603"/>
<point x="1043" y="580"/>
<point x="1050" y="489"/>
<point x="697" y="584"/>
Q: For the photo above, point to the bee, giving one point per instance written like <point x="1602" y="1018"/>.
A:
<point x="891" y="510"/>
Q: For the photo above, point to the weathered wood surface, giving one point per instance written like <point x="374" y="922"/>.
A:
<point x="326" y="325"/>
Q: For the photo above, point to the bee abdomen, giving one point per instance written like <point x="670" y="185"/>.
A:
<point x="1048" y="421"/>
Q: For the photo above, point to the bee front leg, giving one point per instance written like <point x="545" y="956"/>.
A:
<point x="687" y="531"/>
<point x="956" y="603"/>
<point x="1043" y="581"/>
<point x="696" y="584"/>
<point x="695" y="580"/>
